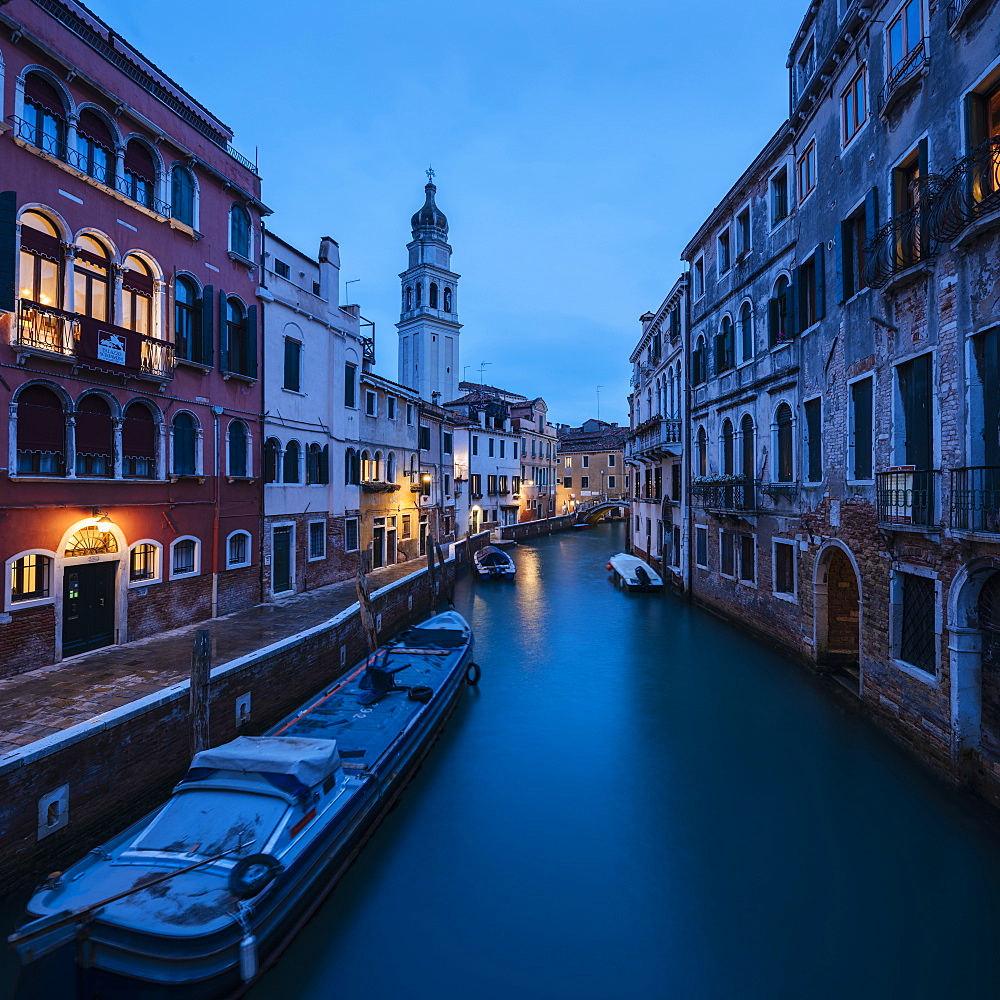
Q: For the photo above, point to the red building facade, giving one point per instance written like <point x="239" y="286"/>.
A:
<point x="130" y="491"/>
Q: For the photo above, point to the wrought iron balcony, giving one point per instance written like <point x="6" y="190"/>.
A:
<point x="970" y="190"/>
<point x="957" y="11"/>
<point x="907" y="497"/>
<point x="975" y="499"/>
<point x="45" y="328"/>
<point x="726" y="497"/>
<point x="905" y="74"/>
<point x="900" y="244"/>
<point x="655" y="438"/>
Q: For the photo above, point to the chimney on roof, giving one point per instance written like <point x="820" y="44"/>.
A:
<point x="329" y="270"/>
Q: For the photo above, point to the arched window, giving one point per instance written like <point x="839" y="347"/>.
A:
<point x="239" y="462"/>
<point x="727" y="448"/>
<point x="138" y="442"/>
<point x="702" y="452"/>
<point x="377" y="466"/>
<point x="352" y="467"/>
<point x="239" y="350"/>
<point x="447" y="300"/>
<point x="746" y="332"/>
<point x="40" y="264"/>
<point x="41" y="433"/>
<point x="182" y="194"/>
<point x="366" y="467"/>
<point x="144" y="560"/>
<point x="724" y="353"/>
<point x="238" y="550"/>
<point x="748" y="447"/>
<point x="94" y="437"/>
<point x="91" y="269"/>
<point x="137" y="295"/>
<point x="779" y="314"/>
<point x="314" y="465"/>
<point x="290" y="465"/>
<point x="239" y="231"/>
<point x="30" y="578"/>
<point x="783" y="425"/>
<point x="409" y="297"/>
<point x="272" y="449"/>
<point x="139" y="181"/>
<point x="433" y="295"/>
<point x="419" y="289"/>
<point x="95" y="145"/>
<point x="185" y="557"/>
<point x="185" y="450"/>
<point x="44" y="115"/>
<point x="390" y="467"/>
<point x="187" y="320"/>
<point x="699" y="362"/>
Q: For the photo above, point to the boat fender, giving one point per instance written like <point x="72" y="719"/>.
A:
<point x="609" y="566"/>
<point x="251" y="874"/>
<point x="248" y="957"/>
<point x="420" y="693"/>
<point x="473" y="673"/>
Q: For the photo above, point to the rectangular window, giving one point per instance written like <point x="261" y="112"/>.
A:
<point x="675" y="481"/>
<point x="476" y="484"/>
<point x="725" y="257"/>
<point x="350" y="385"/>
<point x="567" y="482"/>
<point x="727" y="552"/>
<point x="853" y="237"/>
<point x="371" y="403"/>
<point x="784" y="568"/>
<point x="853" y="107"/>
<point x="351" y="536"/>
<point x="611" y="482"/>
<point x="611" y="461"/>
<point x="917" y="613"/>
<point x="701" y="546"/>
<point x="409" y="414"/>
<point x="862" y="436"/>
<point x="390" y="407"/>
<point x="904" y="34"/>
<point x="293" y="365"/>
<point x="447" y="485"/>
<point x="490" y="447"/>
<point x="807" y="171"/>
<point x="446" y="445"/>
<point x="915" y="381"/>
<point x="502" y="447"/>
<point x="586" y="461"/>
<point x="569" y="462"/>
<point x="407" y="520"/>
<point x="748" y="572"/>
<point x="30" y="578"/>
<point x="811" y="290"/>
<point x="515" y="484"/>
<point x="585" y="482"/>
<point x="502" y="484"/>
<point x="814" y="440"/>
<point x="779" y="196"/>
<point x="806" y="66"/>
<point x="491" y="485"/>
<point x="282" y="269"/>
<point x="475" y="444"/>
<point x="142" y="560"/>
<point x="699" y="278"/>
<point x="425" y="438"/>
<point x="743" y="235"/>
<point x="317" y="539"/>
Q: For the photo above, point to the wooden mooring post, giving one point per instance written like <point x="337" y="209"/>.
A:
<point x="201" y="684"/>
<point x="449" y="586"/>
<point x="365" y="604"/>
<point x="431" y="573"/>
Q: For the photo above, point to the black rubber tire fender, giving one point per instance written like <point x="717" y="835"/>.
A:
<point x="472" y="674"/>
<point x="245" y="881"/>
<point x="420" y="693"/>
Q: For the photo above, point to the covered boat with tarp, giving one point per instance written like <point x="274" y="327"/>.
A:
<point x="195" y="900"/>
<point x="631" y="572"/>
<point x="492" y="562"/>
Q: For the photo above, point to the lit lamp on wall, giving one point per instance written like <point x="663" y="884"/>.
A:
<point x="103" y="523"/>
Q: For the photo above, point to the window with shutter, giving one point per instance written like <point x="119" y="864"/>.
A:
<point x="293" y="356"/>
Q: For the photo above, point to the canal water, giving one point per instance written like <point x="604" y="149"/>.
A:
<point x="639" y="801"/>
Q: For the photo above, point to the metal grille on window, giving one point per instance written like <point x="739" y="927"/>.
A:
<point x="142" y="564"/>
<point x="916" y="645"/>
<point x="988" y="621"/>
<point x="317" y="540"/>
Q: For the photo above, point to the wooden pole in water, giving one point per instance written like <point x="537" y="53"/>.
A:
<point x="449" y="585"/>
<point x="432" y="575"/>
<point x="201" y="673"/>
<point x="367" y="618"/>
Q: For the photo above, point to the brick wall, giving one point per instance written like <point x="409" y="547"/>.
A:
<point x="169" y="605"/>
<point x="28" y="641"/>
<point x="532" y="529"/>
<point x="121" y="766"/>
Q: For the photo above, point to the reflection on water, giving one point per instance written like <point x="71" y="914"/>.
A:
<point x="640" y="801"/>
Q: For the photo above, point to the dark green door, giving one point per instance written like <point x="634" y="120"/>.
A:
<point x="281" y="560"/>
<point x="88" y="607"/>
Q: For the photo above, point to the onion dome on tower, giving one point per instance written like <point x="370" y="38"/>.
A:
<point x="429" y="216"/>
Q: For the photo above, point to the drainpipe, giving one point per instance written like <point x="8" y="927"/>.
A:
<point x="688" y="457"/>
<point x="217" y="412"/>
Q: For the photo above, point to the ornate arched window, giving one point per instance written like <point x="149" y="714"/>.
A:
<point x="785" y="449"/>
<point x="187" y="319"/>
<point x="40" y="265"/>
<point x="239" y="349"/>
<point x="390" y="467"/>
<point x="44" y="115"/>
<point x="239" y="459"/>
<point x="290" y="465"/>
<point x="41" y="433"/>
<point x="433" y="295"/>
<point x="138" y="442"/>
<point x="182" y="194"/>
<point x="139" y="182"/>
<point x="95" y="144"/>
<point x="699" y="362"/>
<point x="314" y="465"/>
<point x="91" y="280"/>
<point x="137" y="295"/>
<point x="746" y="332"/>
<point x="272" y="448"/>
<point x="91" y="541"/>
<point x="239" y="231"/>
<point x="94" y="437"/>
<point x="185" y="445"/>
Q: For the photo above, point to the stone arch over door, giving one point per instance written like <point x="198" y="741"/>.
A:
<point x="837" y="603"/>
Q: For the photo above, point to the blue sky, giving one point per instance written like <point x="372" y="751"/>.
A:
<point x="577" y="145"/>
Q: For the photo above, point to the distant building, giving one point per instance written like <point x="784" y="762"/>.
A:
<point x="591" y="463"/>
<point x="539" y="458"/>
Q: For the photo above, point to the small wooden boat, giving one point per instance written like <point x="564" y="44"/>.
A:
<point x="195" y="900"/>
<point x="493" y="563"/>
<point x="633" y="573"/>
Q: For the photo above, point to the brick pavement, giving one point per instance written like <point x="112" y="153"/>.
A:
<point x="52" y="698"/>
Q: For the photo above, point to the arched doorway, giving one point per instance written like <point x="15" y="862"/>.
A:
<point x="838" y="615"/>
<point x="987" y="619"/>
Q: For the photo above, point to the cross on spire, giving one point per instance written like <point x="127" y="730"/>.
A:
<point x="430" y="175"/>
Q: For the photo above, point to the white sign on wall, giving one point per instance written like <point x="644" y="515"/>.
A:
<point x="111" y="347"/>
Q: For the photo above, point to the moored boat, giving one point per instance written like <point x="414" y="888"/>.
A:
<point x="200" y="896"/>
<point x="633" y="573"/>
<point x="493" y="563"/>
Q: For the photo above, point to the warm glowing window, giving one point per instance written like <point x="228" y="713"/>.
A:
<point x="29" y="578"/>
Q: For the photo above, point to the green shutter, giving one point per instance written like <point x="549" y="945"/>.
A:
<point x="8" y="250"/>
<point x="206" y="342"/>
<point x="252" y="334"/>
<point x="820" y="258"/>
<point x="792" y="306"/>
<point x="223" y="333"/>
<point x="842" y="249"/>
<point x="976" y="132"/>
<point x="871" y="214"/>
<point x="773" y="320"/>
<point x="922" y="158"/>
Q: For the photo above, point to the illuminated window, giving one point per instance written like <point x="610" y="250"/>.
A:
<point x="30" y="578"/>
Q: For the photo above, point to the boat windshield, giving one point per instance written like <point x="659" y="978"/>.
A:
<point x="209" y="821"/>
<point x="495" y="559"/>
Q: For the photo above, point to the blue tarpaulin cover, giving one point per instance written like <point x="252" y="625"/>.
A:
<point x="310" y="761"/>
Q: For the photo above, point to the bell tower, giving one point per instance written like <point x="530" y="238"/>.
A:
<point x="428" y="322"/>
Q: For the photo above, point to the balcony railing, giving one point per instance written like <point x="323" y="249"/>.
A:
<point x="906" y="497"/>
<point x="907" y="71"/>
<point x="44" y="328"/>
<point x="957" y="10"/>
<point x="905" y="241"/>
<point x="734" y="497"/>
<point x="655" y="436"/>
<point x="975" y="499"/>
<point x="970" y="190"/>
